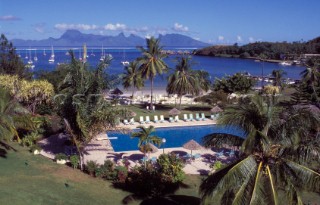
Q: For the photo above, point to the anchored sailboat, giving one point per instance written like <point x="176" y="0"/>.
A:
<point x="124" y="62"/>
<point x="35" y="58"/>
<point x="51" y="59"/>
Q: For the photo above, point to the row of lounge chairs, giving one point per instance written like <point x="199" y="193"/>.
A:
<point x="186" y="118"/>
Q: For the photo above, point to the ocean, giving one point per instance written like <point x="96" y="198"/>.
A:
<point x="217" y="67"/>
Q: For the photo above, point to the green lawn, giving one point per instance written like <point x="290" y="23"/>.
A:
<point x="28" y="179"/>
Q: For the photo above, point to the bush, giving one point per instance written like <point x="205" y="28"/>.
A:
<point x="92" y="167"/>
<point x="170" y="166"/>
<point x="107" y="170"/>
<point x="30" y="139"/>
<point x="74" y="160"/>
<point x="61" y="156"/>
<point x="213" y="98"/>
<point x="217" y="165"/>
<point x="121" y="174"/>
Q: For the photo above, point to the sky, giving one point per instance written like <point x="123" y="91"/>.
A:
<point x="210" y="21"/>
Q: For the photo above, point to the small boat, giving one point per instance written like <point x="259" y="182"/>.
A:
<point x="92" y="54"/>
<point x="102" y="54"/>
<point x="30" y="62"/>
<point x="26" y="57"/>
<point x="285" y="63"/>
<point x="51" y="59"/>
<point x="44" y="52"/>
<point x="124" y="62"/>
<point x="35" y="58"/>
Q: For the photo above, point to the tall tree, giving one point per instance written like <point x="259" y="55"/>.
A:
<point x="81" y="104"/>
<point x="184" y="80"/>
<point x="146" y="137"/>
<point x="132" y="77"/>
<point x="151" y="62"/>
<point x="311" y="76"/>
<point x="274" y="154"/>
<point x="10" y="63"/>
<point x="204" y="80"/>
<point x="278" y="77"/>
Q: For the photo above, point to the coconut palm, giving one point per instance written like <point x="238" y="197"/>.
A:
<point x="145" y="138"/>
<point x="132" y="77"/>
<point x="278" y="75"/>
<point x="273" y="154"/>
<point x="311" y="76"/>
<point x="184" y="80"/>
<point x="151" y="62"/>
<point x="204" y="80"/>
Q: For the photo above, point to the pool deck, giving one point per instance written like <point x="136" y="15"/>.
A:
<point x="180" y="123"/>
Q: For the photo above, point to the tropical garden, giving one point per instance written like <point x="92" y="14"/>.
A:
<point x="278" y="159"/>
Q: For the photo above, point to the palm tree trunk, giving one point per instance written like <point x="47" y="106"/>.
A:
<point x="132" y="92"/>
<point x="151" y="104"/>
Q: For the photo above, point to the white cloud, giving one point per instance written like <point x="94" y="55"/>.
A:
<point x="220" y="38"/>
<point x="39" y="27"/>
<point x="180" y="28"/>
<point x="64" y="26"/>
<point x="239" y="38"/>
<point x="115" y="27"/>
<point x="251" y="39"/>
<point x="9" y="18"/>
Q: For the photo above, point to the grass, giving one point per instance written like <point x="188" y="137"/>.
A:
<point x="29" y="179"/>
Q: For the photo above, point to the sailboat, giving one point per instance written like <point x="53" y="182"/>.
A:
<point x="26" y="57"/>
<point x="51" y="59"/>
<point x="30" y="62"/>
<point x="92" y="54"/>
<point x="44" y="52"/>
<point x="124" y="62"/>
<point x="35" y="58"/>
<point x="102" y="54"/>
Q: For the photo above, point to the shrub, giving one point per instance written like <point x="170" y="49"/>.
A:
<point x="217" y="165"/>
<point x="61" y="156"/>
<point x="107" y="170"/>
<point x="74" y="160"/>
<point x="91" y="167"/>
<point x="121" y="174"/>
<point x="30" y="139"/>
<point x="170" y="166"/>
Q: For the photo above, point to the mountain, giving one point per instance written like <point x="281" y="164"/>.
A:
<point x="76" y="38"/>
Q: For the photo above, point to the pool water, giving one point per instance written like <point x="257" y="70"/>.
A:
<point x="175" y="136"/>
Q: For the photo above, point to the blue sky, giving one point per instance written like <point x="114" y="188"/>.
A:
<point x="211" y="21"/>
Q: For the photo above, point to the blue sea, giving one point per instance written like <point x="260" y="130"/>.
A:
<point x="216" y="66"/>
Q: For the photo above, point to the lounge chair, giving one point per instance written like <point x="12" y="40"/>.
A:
<point x="197" y="117"/>
<point x="191" y="117"/>
<point x="170" y="119"/>
<point x="125" y="122"/>
<point x="212" y="117"/>
<point x="196" y="156"/>
<point x="141" y="120"/>
<point x="185" y="117"/>
<point x="147" y="120"/>
<point x="161" y="118"/>
<point x="203" y="117"/>
<point x="176" y="118"/>
<point x="220" y="154"/>
<point x="155" y="119"/>
<point x="131" y="121"/>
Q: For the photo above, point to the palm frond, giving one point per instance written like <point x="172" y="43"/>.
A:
<point x="227" y="178"/>
<point x="220" y="140"/>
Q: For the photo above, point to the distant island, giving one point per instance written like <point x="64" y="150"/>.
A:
<point x="76" y="38"/>
<point x="266" y="51"/>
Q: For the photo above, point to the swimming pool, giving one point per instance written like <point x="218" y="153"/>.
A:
<point x="175" y="136"/>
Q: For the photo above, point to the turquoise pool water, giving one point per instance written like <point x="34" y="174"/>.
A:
<point x="175" y="136"/>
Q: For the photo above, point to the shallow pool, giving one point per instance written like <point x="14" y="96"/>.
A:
<point x="175" y="136"/>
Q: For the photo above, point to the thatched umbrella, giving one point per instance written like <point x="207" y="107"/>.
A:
<point x="116" y="91"/>
<point x="216" y="109"/>
<point x="192" y="145"/>
<point x="174" y="111"/>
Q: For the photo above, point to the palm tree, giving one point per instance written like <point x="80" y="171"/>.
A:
<point x="204" y="80"/>
<point x="151" y="62"/>
<point x="278" y="75"/>
<point x="184" y="80"/>
<point x="132" y="77"/>
<point x="311" y="76"/>
<point x="12" y="117"/>
<point x="145" y="138"/>
<point x="273" y="155"/>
